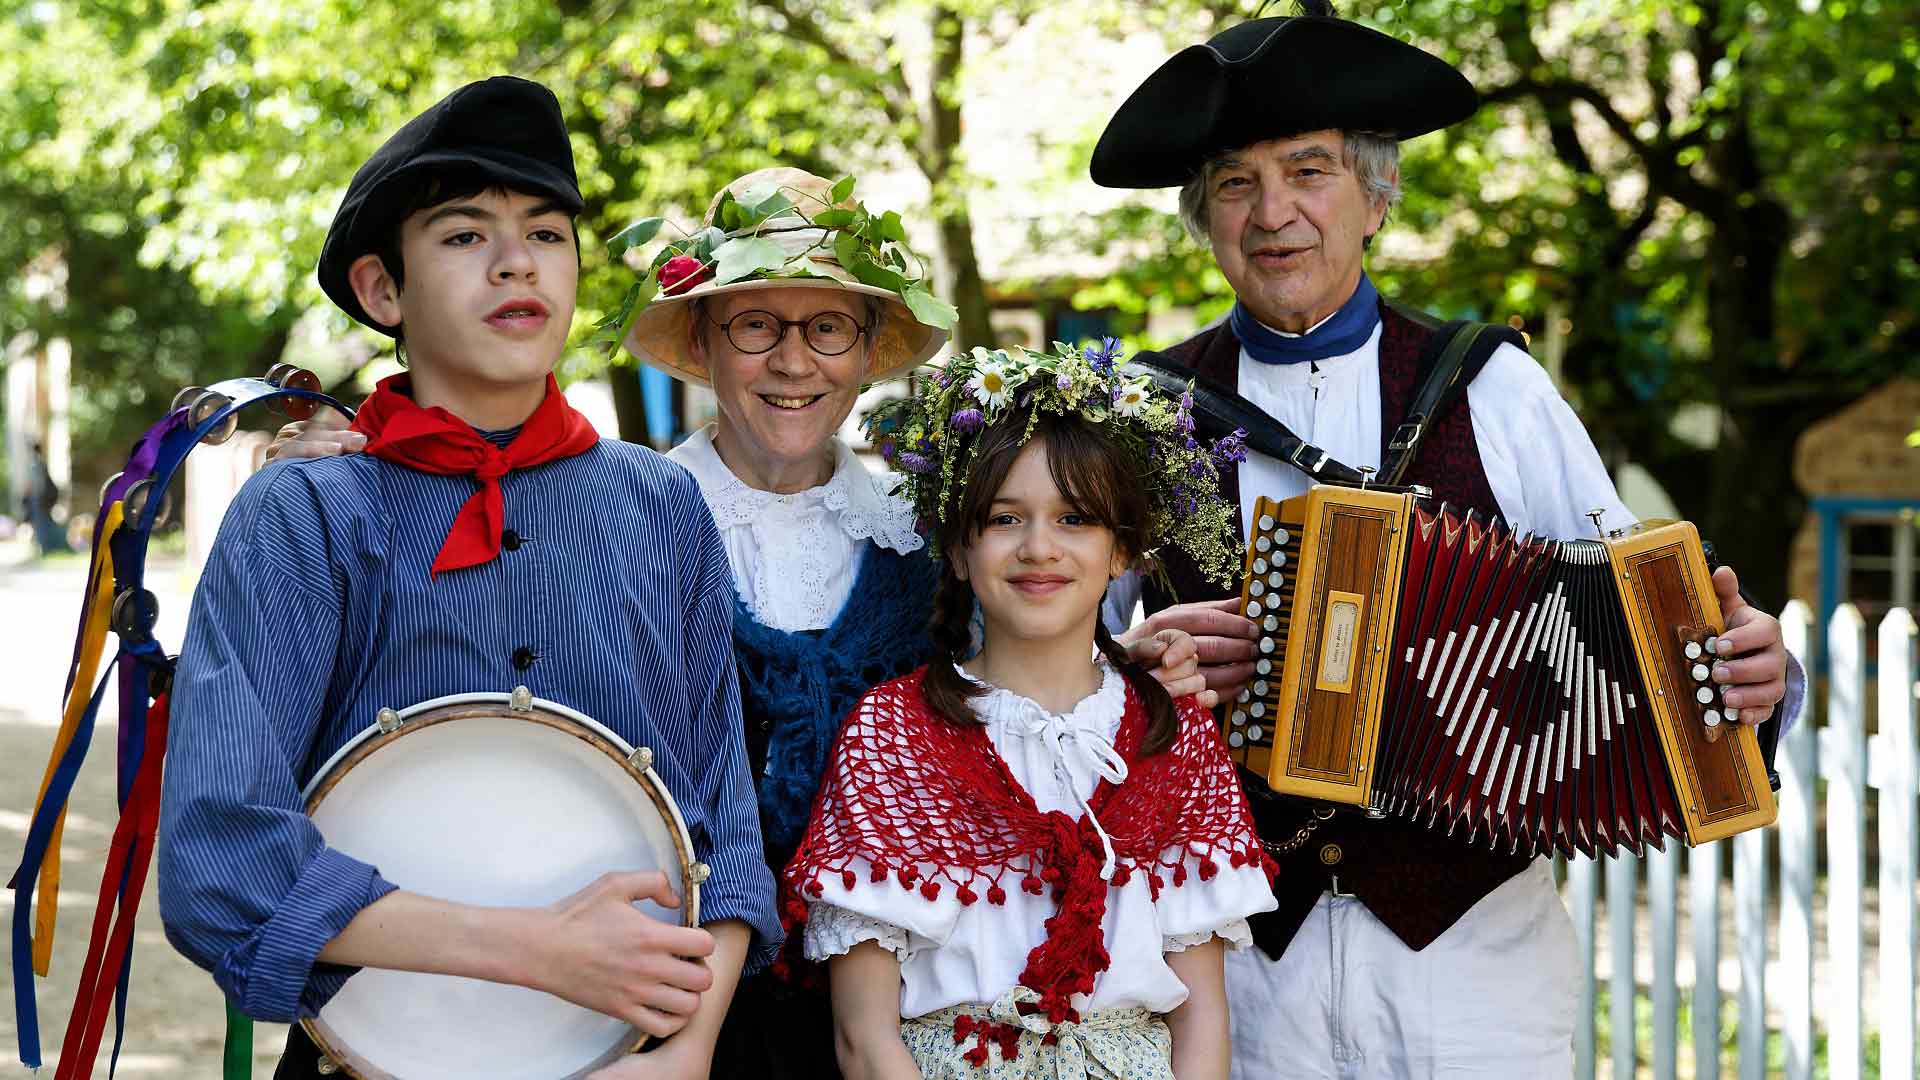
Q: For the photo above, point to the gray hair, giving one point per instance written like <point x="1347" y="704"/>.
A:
<point x="1373" y="157"/>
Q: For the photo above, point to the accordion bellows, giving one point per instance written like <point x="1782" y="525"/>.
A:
<point x="1530" y="694"/>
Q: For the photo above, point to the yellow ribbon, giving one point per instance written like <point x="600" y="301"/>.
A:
<point x="93" y="638"/>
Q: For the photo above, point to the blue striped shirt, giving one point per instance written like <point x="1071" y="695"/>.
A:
<point x="316" y="610"/>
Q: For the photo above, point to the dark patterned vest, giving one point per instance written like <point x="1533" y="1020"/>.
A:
<point x="1415" y="880"/>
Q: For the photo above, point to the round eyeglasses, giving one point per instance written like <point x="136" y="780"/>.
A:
<point x="828" y="333"/>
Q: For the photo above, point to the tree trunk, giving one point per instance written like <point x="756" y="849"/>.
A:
<point x="629" y="405"/>
<point x="940" y="145"/>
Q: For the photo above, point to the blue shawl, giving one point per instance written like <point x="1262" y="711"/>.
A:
<point x="800" y="686"/>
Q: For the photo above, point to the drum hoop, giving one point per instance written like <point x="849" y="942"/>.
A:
<point x="550" y="714"/>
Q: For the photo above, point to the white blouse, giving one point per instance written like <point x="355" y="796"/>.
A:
<point x="795" y="557"/>
<point x="955" y="954"/>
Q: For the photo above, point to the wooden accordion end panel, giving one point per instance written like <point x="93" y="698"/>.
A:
<point x="1524" y="693"/>
<point x="1667" y="592"/>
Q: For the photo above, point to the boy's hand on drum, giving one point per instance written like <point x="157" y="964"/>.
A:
<point x="326" y="435"/>
<point x="1223" y="638"/>
<point x="599" y="951"/>
<point x="1173" y="659"/>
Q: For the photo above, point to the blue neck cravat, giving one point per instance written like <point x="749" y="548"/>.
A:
<point x="1347" y="330"/>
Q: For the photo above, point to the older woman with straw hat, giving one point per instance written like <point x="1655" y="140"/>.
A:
<point x="789" y="300"/>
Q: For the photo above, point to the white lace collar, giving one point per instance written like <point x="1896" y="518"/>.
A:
<point x="1098" y="713"/>
<point x="855" y="496"/>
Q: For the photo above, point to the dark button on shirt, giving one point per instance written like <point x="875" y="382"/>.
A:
<point x="510" y="540"/>
<point x="523" y="658"/>
<point x="1331" y="855"/>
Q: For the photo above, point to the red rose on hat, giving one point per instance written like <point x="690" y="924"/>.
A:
<point x="682" y="272"/>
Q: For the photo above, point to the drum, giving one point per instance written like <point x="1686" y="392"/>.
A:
<point x="495" y="800"/>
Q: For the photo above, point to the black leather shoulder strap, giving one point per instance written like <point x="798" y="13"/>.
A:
<point x="1218" y="411"/>
<point x="1451" y="360"/>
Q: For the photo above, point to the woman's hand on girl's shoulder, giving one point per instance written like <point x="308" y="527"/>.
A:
<point x="326" y="435"/>
<point x="1172" y="657"/>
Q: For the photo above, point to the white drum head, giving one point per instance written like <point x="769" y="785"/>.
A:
<point x="480" y="805"/>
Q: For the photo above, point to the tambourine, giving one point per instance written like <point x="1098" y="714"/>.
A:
<point x="132" y="503"/>
<point x="496" y="800"/>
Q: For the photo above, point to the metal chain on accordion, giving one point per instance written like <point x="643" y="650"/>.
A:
<point x="1320" y="816"/>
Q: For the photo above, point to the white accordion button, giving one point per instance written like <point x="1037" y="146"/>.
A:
<point x="1260" y="688"/>
<point x="1258" y="710"/>
<point x="1258" y="588"/>
<point x="1259" y="566"/>
<point x="1266" y="522"/>
<point x="1713" y="645"/>
<point x="1732" y="715"/>
<point x="1264" y="667"/>
<point x="1271" y="623"/>
<point x="1266" y="645"/>
<point x="1255" y="732"/>
<point x="1236" y="740"/>
<point x="1244" y="697"/>
<point x="1694" y="650"/>
<point x="1700" y="673"/>
<point x="1704" y="695"/>
<point x="1263" y="545"/>
<point x="1254" y="610"/>
<point x="1712" y="718"/>
<point x="1239" y="718"/>
<point x="1281" y="536"/>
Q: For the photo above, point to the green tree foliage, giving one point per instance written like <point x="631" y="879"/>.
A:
<point x="1719" y="199"/>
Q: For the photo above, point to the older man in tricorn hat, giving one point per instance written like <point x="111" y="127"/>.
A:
<point x="1396" y="951"/>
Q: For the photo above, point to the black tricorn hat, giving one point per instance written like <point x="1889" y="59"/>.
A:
<point x="507" y="129"/>
<point x="1268" y="79"/>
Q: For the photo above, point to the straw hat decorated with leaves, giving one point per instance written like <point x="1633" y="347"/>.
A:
<point x="779" y="229"/>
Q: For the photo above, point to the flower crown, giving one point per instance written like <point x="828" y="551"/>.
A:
<point x="923" y="436"/>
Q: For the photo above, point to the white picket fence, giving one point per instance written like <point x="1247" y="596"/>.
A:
<point x="1849" y="762"/>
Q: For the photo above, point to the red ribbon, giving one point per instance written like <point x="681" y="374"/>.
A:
<point x="433" y="440"/>
<point x="129" y="855"/>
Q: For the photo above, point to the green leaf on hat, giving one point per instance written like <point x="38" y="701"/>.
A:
<point x="633" y="236"/>
<point x="891" y="228"/>
<point x="743" y="256"/>
<point x="774" y="204"/>
<point x="846" y="249"/>
<point x="929" y="309"/>
<point x="757" y="194"/>
<point x="841" y="191"/>
<point x="833" y="219"/>
<point x="868" y="272"/>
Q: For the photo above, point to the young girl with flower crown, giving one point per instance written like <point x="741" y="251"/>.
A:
<point x="1027" y="860"/>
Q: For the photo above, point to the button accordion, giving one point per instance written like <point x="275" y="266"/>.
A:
<point x="1530" y="694"/>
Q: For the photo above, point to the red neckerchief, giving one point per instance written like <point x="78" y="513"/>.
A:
<point x="438" y="442"/>
<point x="930" y="804"/>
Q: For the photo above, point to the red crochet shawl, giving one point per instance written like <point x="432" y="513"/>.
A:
<point x="930" y="803"/>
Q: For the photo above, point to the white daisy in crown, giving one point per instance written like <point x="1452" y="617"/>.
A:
<point x="1130" y="398"/>
<point x="992" y="384"/>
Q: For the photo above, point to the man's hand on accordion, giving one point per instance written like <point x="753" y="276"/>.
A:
<point x="1753" y="664"/>
<point x="1223" y="637"/>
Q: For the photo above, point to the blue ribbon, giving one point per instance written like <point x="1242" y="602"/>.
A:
<point x="1343" y="333"/>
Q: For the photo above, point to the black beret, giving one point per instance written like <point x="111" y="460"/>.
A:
<point x="1269" y="79"/>
<point x="504" y="128"/>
